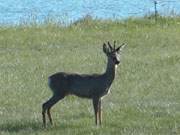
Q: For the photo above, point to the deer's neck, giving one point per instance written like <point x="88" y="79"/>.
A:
<point x="110" y="72"/>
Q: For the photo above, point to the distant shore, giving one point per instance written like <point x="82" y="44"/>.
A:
<point x="62" y="11"/>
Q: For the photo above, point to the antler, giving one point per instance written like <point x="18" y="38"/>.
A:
<point x="110" y="46"/>
<point x="122" y="44"/>
<point x="114" y="44"/>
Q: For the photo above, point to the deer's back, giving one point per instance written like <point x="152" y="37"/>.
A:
<point x="82" y="85"/>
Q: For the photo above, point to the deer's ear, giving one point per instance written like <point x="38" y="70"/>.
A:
<point x="120" y="48"/>
<point x="105" y="48"/>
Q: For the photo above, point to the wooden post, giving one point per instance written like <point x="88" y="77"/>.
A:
<point x="155" y="10"/>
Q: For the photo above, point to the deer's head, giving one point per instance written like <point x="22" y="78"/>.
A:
<point x="112" y="52"/>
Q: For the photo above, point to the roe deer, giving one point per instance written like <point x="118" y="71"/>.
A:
<point x="93" y="86"/>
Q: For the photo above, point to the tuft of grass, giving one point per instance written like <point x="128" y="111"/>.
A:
<point x="144" y="97"/>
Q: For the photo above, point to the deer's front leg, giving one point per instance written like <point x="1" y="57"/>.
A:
<point x="96" y="107"/>
<point x="99" y="112"/>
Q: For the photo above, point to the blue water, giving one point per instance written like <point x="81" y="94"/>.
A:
<point x="66" y="11"/>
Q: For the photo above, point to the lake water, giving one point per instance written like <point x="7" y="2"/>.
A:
<point x="19" y="11"/>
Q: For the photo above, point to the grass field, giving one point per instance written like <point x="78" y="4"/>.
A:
<point x="144" y="98"/>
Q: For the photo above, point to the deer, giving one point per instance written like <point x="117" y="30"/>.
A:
<point x="90" y="86"/>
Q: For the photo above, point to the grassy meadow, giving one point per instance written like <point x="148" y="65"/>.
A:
<point x="144" y="98"/>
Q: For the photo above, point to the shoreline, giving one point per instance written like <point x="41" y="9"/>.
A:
<point x="147" y="18"/>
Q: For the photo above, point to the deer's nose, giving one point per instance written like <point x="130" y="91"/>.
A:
<point x="117" y="62"/>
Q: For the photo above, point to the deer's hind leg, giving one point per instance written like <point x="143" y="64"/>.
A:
<point x="48" y="105"/>
<point x="100" y="112"/>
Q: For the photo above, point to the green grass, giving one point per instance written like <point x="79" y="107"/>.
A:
<point x="144" y="98"/>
